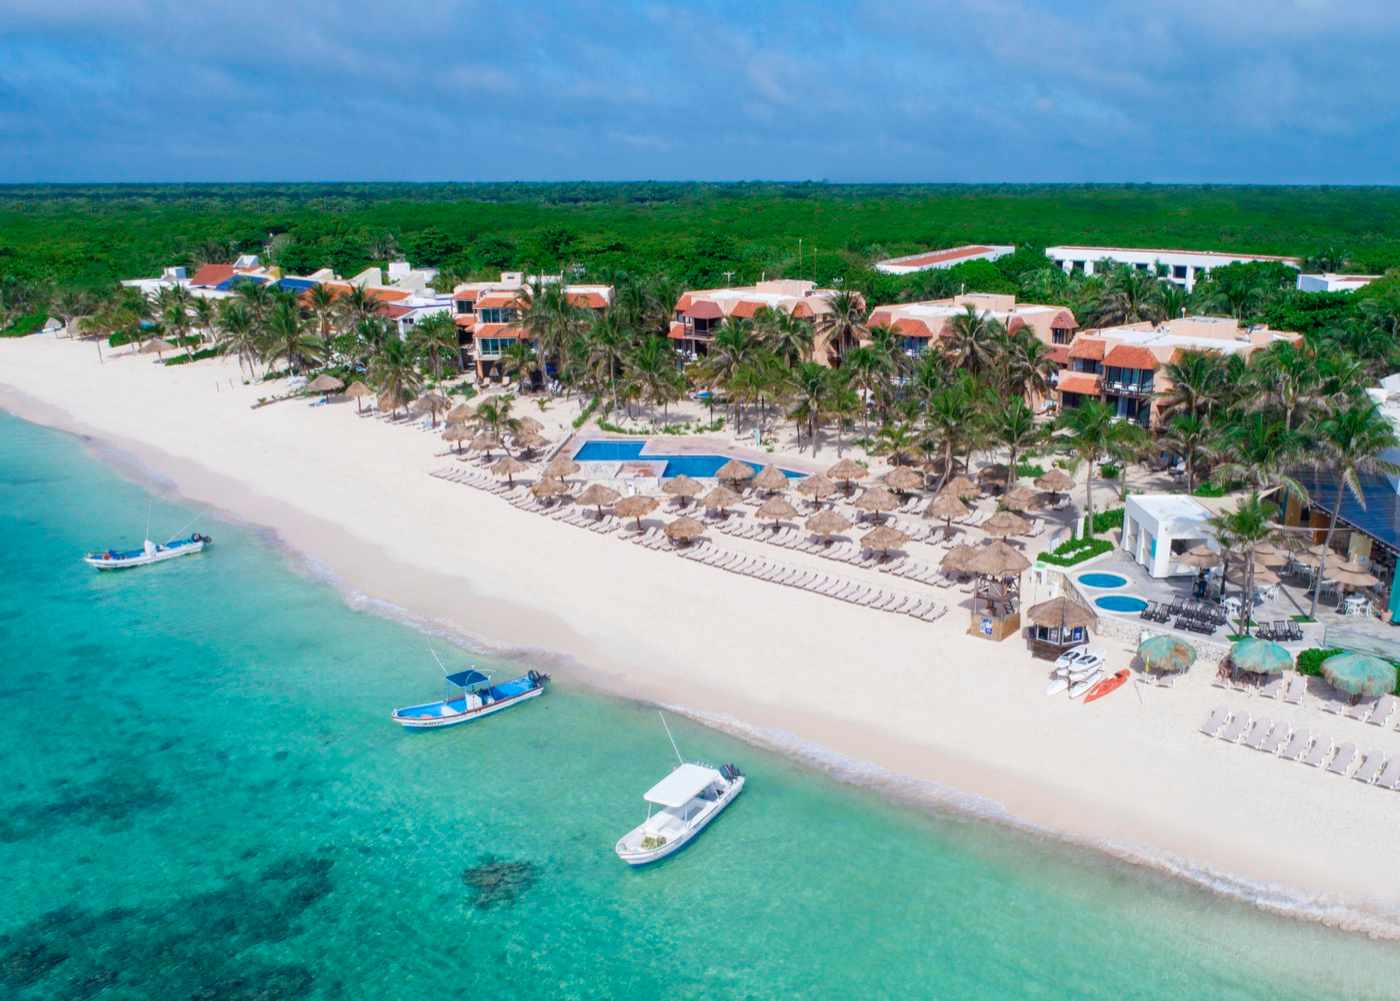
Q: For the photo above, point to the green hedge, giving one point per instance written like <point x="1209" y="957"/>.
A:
<point x="1109" y="472"/>
<point x="198" y="356"/>
<point x="29" y="323"/>
<point x="586" y="413"/>
<point x="1310" y="661"/>
<point x="1209" y="490"/>
<point x="1067" y="554"/>
<point x="1026" y="469"/>
<point x="1103" y="521"/>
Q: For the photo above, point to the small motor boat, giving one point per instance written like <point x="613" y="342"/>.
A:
<point x="1078" y="688"/>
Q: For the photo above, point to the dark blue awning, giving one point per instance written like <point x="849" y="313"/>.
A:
<point x="467" y="678"/>
<point x="1380" y="518"/>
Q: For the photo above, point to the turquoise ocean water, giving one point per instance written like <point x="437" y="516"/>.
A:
<point x="201" y="797"/>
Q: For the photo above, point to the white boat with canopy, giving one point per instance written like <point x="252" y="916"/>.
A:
<point x="679" y="807"/>
<point x="150" y="552"/>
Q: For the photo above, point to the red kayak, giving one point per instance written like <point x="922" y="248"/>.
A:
<point x="1107" y="686"/>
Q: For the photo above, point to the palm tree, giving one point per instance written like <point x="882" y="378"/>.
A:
<point x="549" y="319"/>
<point x="949" y="420"/>
<point x="289" y="340"/>
<point x="652" y="366"/>
<point x="867" y="371"/>
<point x="435" y="338"/>
<point x="393" y="373"/>
<point x="842" y="326"/>
<point x="1248" y="525"/>
<point x="1198" y="383"/>
<point x="494" y="416"/>
<point x="811" y="385"/>
<point x="786" y="336"/>
<point x="518" y="361"/>
<point x="605" y="349"/>
<point x="1195" y="439"/>
<point x="1015" y="429"/>
<point x="1090" y="431"/>
<point x="203" y="313"/>
<point x="733" y="347"/>
<point x="1288" y="373"/>
<point x="1260" y="449"/>
<point x="1352" y="441"/>
<point x="258" y="297"/>
<point x="357" y="305"/>
<point x="971" y="340"/>
<point x="69" y="304"/>
<point x="1028" y="365"/>
<point x="1129" y="296"/>
<point x="236" y="332"/>
<point x="321" y="300"/>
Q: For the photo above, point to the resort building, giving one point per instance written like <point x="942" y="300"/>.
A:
<point x="1184" y="267"/>
<point x="698" y="314"/>
<point x="930" y="260"/>
<point x="1328" y="282"/>
<point x="1119" y="365"/>
<point x="487" y="314"/>
<point x="921" y="322"/>
<point x="1158" y="529"/>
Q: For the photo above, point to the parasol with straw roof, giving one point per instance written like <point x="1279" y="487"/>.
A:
<point x="484" y="442"/>
<point x="904" y="480"/>
<point x="459" y="414"/>
<point x="1267" y="554"/>
<point x="156" y="346"/>
<point x="1020" y="498"/>
<point x="819" y="488"/>
<point x="721" y="498"/>
<point x="549" y="487"/>
<point x="1258" y="656"/>
<point x="357" y="392"/>
<point x="1056" y="481"/>
<point x="1351" y="574"/>
<point x="324" y="383"/>
<point x="776" y="509"/>
<point x="1005" y="523"/>
<point x="827" y="523"/>
<point x="847" y="471"/>
<point x="683" y="487"/>
<point x="529" y="425"/>
<point x="734" y="471"/>
<point x="949" y="507"/>
<point x="877" y="500"/>
<point x="387" y="403"/>
<point x="884" y="539"/>
<point x="771" y="479"/>
<point x="1166" y="654"/>
<point x="561" y="466"/>
<point x="637" y="506"/>
<point x="1200" y="557"/>
<point x="993" y="471"/>
<point x="597" y="495"/>
<point x="962" y="487"/>
<point x="1239" y="572"/>
<point x="431" y="403"/>
<point x="529" y="441"/>
<point x="683" y="530"/>
<point x="997" y="559"/>
<point x="1064" y="612"/>
<point x="509" y="467"/>
<point x="958" y="559"/>
<point x="1359" y="674"/>
<point x="456" y="433"/>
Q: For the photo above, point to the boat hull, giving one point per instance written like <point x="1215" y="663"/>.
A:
<point x="640" y="857"/>
<point x="1080" y="687"/>
<point x="456" y="718"/>
<point x="100" y="562"/>
<point x="1106" y="687"/>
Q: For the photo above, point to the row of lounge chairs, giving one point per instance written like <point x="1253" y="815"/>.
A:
<point x="1280" y="631"/>
<point x="1315" y="750"/>
<point x="1290" y="686"/>
<point x="1379" y="712"/>
<point x="816" y="582"/>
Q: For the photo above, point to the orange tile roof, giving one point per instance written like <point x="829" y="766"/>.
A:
<point x="1130" y="356"/>
<point x="212" y="274"/>
<point x="704" y="309"/>
<point x="465" y="320"/>
<point x="1064" y="320"/>
<point x="1086" y="347"/>
<point x="509" y="331"/>
<point x="588" y="300"/>
<point x="677" y="331"/>
<point x="497" y="299"/>
<point x="939" y="256"/>
<point x="746" y="308"/>
<point x="910" y="327"/>
<point x="1085" y="383"/>
<point x="466" y="295"/>
<point x="1059" y="354"/>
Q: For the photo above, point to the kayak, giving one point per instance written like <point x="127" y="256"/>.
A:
<point x="1058" y="683"/>
<point x="1078" y="688"/>
<point x="1107" y="686"/>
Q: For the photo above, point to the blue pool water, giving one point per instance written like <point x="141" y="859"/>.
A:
<point x="1103" y="580"/>
<point x="676" y="465"/>
<point x="1120" y="603"/>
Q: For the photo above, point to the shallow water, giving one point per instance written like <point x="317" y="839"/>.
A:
<point x="203" y="798"/>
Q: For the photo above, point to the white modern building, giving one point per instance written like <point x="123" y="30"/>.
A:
<point x="1158" y="528"/>
<point x="1184" y="267"/>
<point x="929" y="260"/>
<point x="1329" y="282"/>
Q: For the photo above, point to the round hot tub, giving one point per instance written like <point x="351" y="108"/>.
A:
<point x="1125" y="603"/>
<point x="1102" y="581"/>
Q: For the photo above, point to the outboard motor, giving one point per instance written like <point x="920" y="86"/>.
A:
<point x="730" y="772"/>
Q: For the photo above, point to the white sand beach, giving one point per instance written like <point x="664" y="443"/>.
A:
<point x="920" y="700"/>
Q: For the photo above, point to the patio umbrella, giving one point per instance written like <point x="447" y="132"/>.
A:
<point x="549" y="487"/>
<point x="883" y="539"/>
<point x="324" y="383"/>
<point x="958" y="559"/>
<point x="681" y="486"/>
<point x="1260" y="656"/>
<point x="456" y="433"/>
<point x="877" y="500"/>
<point x="1359" y="674"/>
<point x="458" y="414"/>
<point x="508" y="467"/>
<point x="947" y="506"/>
<point x="431" y="403"/>
<point x="734" y="471"/>
<point x="847" y="471"/>
<point x="636" y="507"/>
<point x="997" y="559"/>
<point x="1200" y="557"/>
<point x="484" y="442"/>
<point x="776" y="509"/>
<point x="819" y="488"/>
<point x="529" y="441"/>
<point x="156" y="346"/>
<point x="1063" y="611"/>
<point x="1005" y="523"/>
<point x="1056" y="481"/>
<point x="904" y="479"/>
<point x="721" y="498"/>
<point x="995" y="471"/>
<point x="771" y="479"/>
<point x="530" y="425"/>
<point x="1166" y="654"/>
<point x="684" y="530"/>
<point x="561" y="466"/>
<point x="357" y="392"/>
<point x="387" y="403"/>
<point x="827" y="523"/>
<point x="962" y="487"/>
<point x="597" y="495"/>
<point x="1020" y="498"/>
<point x="1262" y="575"/>
<point x="1351" y="574"/>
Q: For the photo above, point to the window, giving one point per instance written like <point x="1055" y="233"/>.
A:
<point x="1179" y="271"/>
<point x="1061" y="336"/>
<point x="498" y="315"/>
<point x="465" y="307"/>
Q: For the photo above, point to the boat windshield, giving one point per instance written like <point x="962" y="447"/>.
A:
<point x="468" y="678"/>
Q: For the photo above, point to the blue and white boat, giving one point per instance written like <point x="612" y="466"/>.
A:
<point x="150" y="552"/>
<point x="476" y="698"/>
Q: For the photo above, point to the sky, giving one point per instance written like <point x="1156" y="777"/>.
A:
<point x="1237" y="91"/>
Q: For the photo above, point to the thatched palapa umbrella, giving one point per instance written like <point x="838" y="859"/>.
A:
<point x="958" y="559"/>
<point x="1005" y="523"/>
<point x="962" y="487"/>
<point x="458" y="414"/>
<point x="156" y="346"/>
<point x="683" y="530"/>
<point x="549" y="487"/>
<point x="529" y="441"/>
<point x="1056" y="481"/>
<point x="1351" y="574"/>
<point x="357" y="392"/>
<point x="827" y="523"/>
<point x="776" y="509"/>
<point x="484" y="442"/>
<point x="1201" y="557"/>
<point x="877" y="500"/>
<point x="995" y="472"/>
<point x="1266" y="554"/>
<point x="949" y="507"/>
<point x="904" y="480"/>
<point x="818" y="488"/>
<point x="560" y="467"/>
<point x="997" y="559"/>
<point x="1166" y="654"/>
<point x="431" y="403"/>
<point x="387" y="403"/>
<point x="1020" y="498"/>
<point x="509" y="467"/>
<point x="1359" y="674"/>
<point x="884" y="539"/>
<point x="597" y="495"/>
<point x="682" y="487"/>
<point x="771" y="479"/>
<point x="637" y="506"/>
<point x="1062" y="612"/>
<point x="720" y="498"/>
<point x="1257" y="656"/>
<point x="324" y="383"/>
<point x="847" y="471"/>
<point x="735" y="472"/>
<point x="1239" y="573"/>
<point x="456" y="433"/>
<point x="529" y="425"/>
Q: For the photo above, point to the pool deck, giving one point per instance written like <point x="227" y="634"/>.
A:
<point x="689" y="445"/>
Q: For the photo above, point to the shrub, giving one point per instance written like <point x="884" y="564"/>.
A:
<point x="1076" y="551"/>
<point x="1026" y="469"/>
<point x="198" y="356"/>
<point x="1103" y="521"/>
<point x="1209" y="490"/>
<point x="29" y="323"/>
<point x="606" y="425"/>
<point x="1310" y="661"/>
<point x="585" y="413"/>
<point x="1109" y="472"/>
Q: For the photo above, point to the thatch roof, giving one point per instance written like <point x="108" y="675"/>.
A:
<point x="156" y="346"/>
<point x="771" y="478"/>
<point x="561" y="466"/>
<point x="1055" y="480"/>
<point x="962" y="486"/>
<point x="456" y="432"/>
<point x="596" y="495"/>
<point x="1350" y="575"/>
<point x="993" y="471"/>
<point x="458" y="414"/>
<point x="903" y="479"/>
<point x="530" y="425"/>
<point x="735" y="470"/>
<point x="1005" y="523"/>
<point x="847" y="470"/>
<point x="958" y="559"/>
<point x="484" y="442"/>
<point x="530" y="441"/>
<point x="776" y="509"/>
<point x="827" y="522"/>
<point x="635" y="506"/>
<point x="1021" y="498"/>
<point x="877" y="499"/>
<point x="509" y="466"/>
<point x="681" y="486"/>
<point x="1062" y="611"/>
<point x="324" y="383"/>
<point x="883" y="539"/>
<point x="1200" y="557"/>
<point x="948" y="507"/>
<point x="997" y="559"/>
<point x="549" y="487"/>
<point x="433" y="401"/>
<point x="358" y="390"/>
<point x="684" y="530"/>
<point x="1262" y="575"/>
<point x="720" y="497"/>
<point x="816" y="487"/>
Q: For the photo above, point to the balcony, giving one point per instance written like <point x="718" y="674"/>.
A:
<point x="1134" y="389"/>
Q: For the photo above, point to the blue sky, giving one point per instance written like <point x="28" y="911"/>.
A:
<point x="1266" y="91"/>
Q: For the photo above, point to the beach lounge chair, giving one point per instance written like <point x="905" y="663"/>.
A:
<point x="1165" y="681"/>
<point x="1297" y="688"/>
<point x="1298" y="745"/>
<point x="1389" y="777"/>
<point x="1384" y="711"/>
<point x="1236" y="728"/>
<point x="1273" y="689"/>
<point x="1217" y="719"/>
<point x="1344" y="760"/>
<point x="1277" y="738"/>
<point x="1258" y="733"/>
<point x="1333" y="705"/>
<point x="1319" y="753"/>
<point x="1370" y="768"/>
<point x="1361" y="711"/>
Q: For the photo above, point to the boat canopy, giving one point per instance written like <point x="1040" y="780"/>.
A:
<point x="467" y="678"/>
<point x="681" y="786"/>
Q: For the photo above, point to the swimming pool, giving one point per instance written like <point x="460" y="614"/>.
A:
<point x="1102" y="580"/>
<point x="1120" y="603"/>
<point x="676" y="465"/>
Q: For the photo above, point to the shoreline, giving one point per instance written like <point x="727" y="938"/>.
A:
<point x="882" y="745"/>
